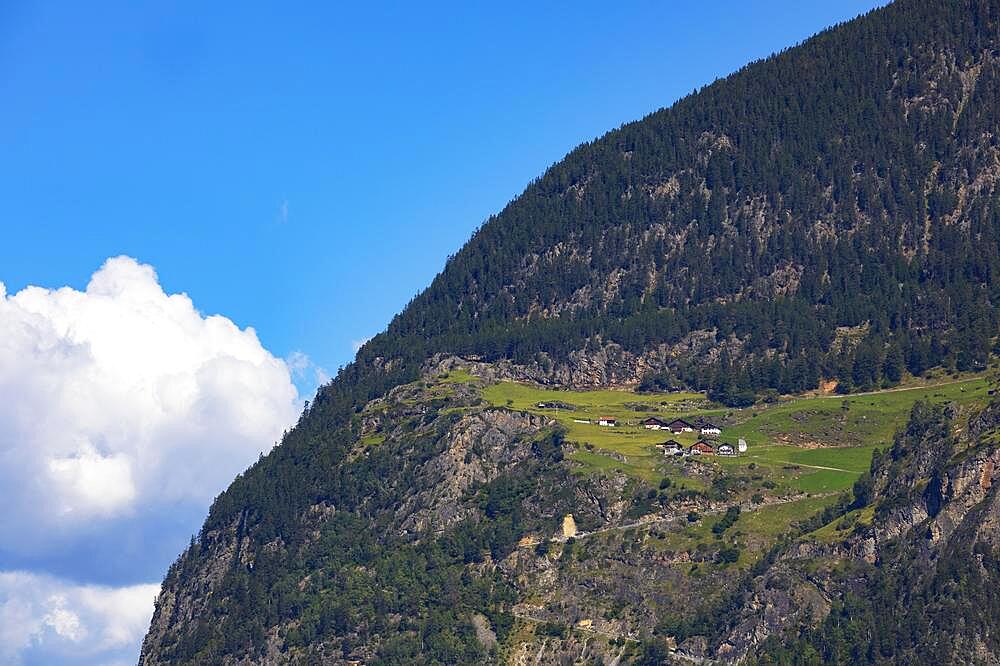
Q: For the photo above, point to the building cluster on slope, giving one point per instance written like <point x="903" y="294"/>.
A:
<point x="703" y="447"/>
<point x="678" y="426"/>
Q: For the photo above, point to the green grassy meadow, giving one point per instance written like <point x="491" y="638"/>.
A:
<point x="815" y="444"/>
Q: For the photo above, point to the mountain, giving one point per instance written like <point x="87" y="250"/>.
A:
<point x="914" y="577"/>
<point x="827" y="217"/>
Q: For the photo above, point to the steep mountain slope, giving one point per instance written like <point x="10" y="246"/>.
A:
<point x="912" y="578"/>
<point x="831" y="212"/>
<point x="848" y="180"/>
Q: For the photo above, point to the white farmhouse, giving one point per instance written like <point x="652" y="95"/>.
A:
<point x="710" y="429"/>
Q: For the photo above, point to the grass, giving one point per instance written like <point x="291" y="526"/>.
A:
<point x="753" y="532"/>
<point x="799" y="469"/>
<point x="790" y="441"/>
<point x="372" y="440"/>
<point x="760" y="528"/>
<point x="595" y="461"/>
<point x="642" y="463"/>
<point x="842" y="527"/>
<point x="627" y="439"/>
<point x="825" y="481"/>
<point x="816" y="432"/>
<point x="457" y="377"/>
<point x="868" y="419"/>
<point x="853" y="459"/>
<point x="605" y="402"/>
<point x="773" y="521"/>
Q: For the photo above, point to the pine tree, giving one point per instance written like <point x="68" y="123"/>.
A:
<point x="892" y="367"/>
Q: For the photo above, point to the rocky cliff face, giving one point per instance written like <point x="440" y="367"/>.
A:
<point x="447" y="462"/>
<point x="598" y="364"/>
<point x="933" y="525"/>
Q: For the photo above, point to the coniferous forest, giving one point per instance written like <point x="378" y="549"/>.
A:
<point x="831" y="213"/>
<point x="845" y="183"/>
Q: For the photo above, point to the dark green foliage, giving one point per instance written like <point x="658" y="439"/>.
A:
<point x="643" y="502"/>
<point x="550" y="447"/>
<point x="809" y="192"/>
<point x="567" y="552"/>
<point x="654" y="653"/>
<point x="412" y="581"/>
<point x="915" y="609"/>
<point x="815" y="119"/>
<point x="659" y="382"/>
<point x="912" y="612"/>
<point x="728" y="555"/>
<point x="714" y="620"/>
<point x="728" y="520"/>
<point x="820" y="132"/>
<point x="919" y="452"/>
<point x="359" y="576"/>
<point x="554" y="629"/>
<point x="862" y="490"/>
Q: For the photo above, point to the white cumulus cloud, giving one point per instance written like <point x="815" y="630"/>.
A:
<point x="70" y="622"/>
<point x="121" y="397"/>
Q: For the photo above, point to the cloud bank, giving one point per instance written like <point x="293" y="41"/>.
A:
<point x="61" y="621"/>
<point x="123" y="412"/>
<point x="122" y="395"/>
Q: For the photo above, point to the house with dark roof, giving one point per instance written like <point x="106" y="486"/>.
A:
<point x="653" y="423"/>
<point x="679" y="425"/>
<point x="709" y="428"/>
<point x="670" y="446"/>
<point x="702" y="448"/>
<point x="726" y="449"/>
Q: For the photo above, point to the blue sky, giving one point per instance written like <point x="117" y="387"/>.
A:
<point x="304" y="172"/>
